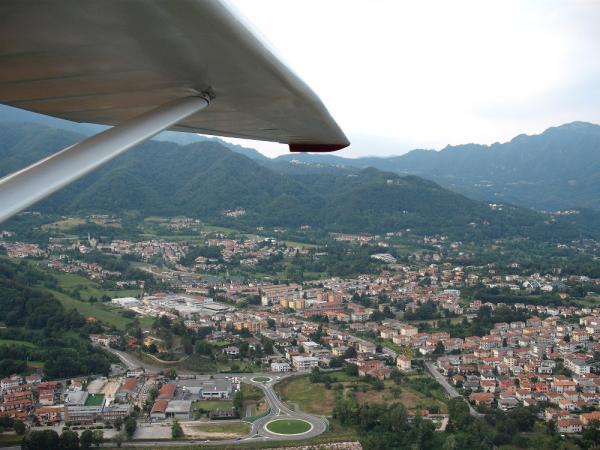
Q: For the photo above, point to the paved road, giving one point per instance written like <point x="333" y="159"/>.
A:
<point x="453" y="393"/>
<point x="258" y="433"/>
<point x="132" y="362"/>
<point x="280" y="411"/>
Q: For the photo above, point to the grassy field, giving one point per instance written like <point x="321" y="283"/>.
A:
<point x="108" y="315"/>
<point x="64" y="224"/>
<point x="412" y="392"/>
<point x="35" y="364"/>
<point x="288" y="426"/>
<point x="254" y="400"/>
<point x="311" y="398"/>
<point x="216" y="431"/>
<point x="300" y="244"/>
<point x="211" y="405"/>
<point x="196" y="363"/>
<point x="410" y="398"/>
<point x="251" y="392"/>
<point x="10" y="439"/>
<point x="94" y="400"/>
<point x="88" y="288"/>
<point x="15" y="342"/>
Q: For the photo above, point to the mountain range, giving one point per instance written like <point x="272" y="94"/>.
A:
<point x="205" y="179"/>
<point x="556" y="170"/>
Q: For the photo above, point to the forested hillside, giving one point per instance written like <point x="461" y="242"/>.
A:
<point x="40" y="329"/>
<point x="557" y="169"/>
<point x="205" y="179"/>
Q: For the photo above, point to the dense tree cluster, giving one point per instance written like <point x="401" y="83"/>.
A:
<point x="56" y="336"/>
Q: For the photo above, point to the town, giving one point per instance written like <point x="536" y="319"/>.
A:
<point x="217" y="321"/>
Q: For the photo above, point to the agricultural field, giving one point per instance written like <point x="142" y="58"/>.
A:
<point x="215" y="431"/>
<point x="310" y="398"/>
<point x="415" y="392"/>
<point x="16" y="342"/>
<point x="68" y="283"/>
<point x="108" y="315"/>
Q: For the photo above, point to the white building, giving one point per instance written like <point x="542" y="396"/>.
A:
<point x="280" y="367"/>
<point x="304" y="362"/>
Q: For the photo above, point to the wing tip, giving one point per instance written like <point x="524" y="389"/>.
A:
<point x="317" y="148"/>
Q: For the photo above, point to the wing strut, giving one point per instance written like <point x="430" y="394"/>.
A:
<point x="31" y="184"/>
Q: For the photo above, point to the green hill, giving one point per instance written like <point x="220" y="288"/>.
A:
<point x="204" y="179"/>
<point x="557" y="169"/>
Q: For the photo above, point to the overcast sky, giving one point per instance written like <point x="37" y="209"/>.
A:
<point x="399" y="75"/>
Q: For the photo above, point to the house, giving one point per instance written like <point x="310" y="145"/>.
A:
<point x="568" y="426"/>
<point x="166" y="392"/>
<point x="232" y="352"/>
<point x="129" y="388"/>
<point x="12" y="381"/>
<point x="179" y="409"/>
<point x="280" y="367"/>
<point x="35" y="378"/>
<point x="588" y="418"/>
<point x="49" y="415"/>
<point x="373" y="367"/>
<point x="304" y="362"/>
<point x="366" y="347"/>
<point x="481" y="398"/>
<point x="404" y="363"/>
<point x="136" y="372"/>
<point x="507" y="403"/>
<point x="488" y="386"/>
<point x="207" y="389"/>
<point x="159" y="409"/>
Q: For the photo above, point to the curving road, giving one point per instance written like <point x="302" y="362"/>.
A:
<point x="452" y="393"/>
<point x="258" y="433"/>
<point x="280" y="411"/>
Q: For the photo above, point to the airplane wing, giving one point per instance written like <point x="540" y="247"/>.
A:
<point x="107" y="61"/>
<point x="145" y="66"/>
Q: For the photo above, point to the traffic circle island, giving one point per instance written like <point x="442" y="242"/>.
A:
<point x="288" y="427"/>
<point x="261" y="379"/>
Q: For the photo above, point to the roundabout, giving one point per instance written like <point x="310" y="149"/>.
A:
<point x="288" y="427"/>
<point x="262" y="379"/>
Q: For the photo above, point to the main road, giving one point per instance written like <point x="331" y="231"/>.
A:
<point x="259" y="433"/>
<point x="452" y="393"/>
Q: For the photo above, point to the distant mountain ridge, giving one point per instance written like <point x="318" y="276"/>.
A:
<point x="205" y="179"/>
<point x="556" y="170"/>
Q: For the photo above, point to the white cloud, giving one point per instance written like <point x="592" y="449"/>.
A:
<point x="427" y="73"/>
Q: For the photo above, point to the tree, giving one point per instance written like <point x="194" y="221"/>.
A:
<point x="19" y="427"/>
<point x="439" y="348"/>
<point x="176" y="430"/>
<point x="41" y="440"/>
<point x="98" y="438"/>
<point x="69" y="440"/>
<point x="130" y="426"/>
<point x="238" y="401"/>
<point x="350" y="353"/>
<point x="351" y="370"/>
<point x="119" y="438"/>
<point x="268" y="347"/>
<point x="86" y="440"/>
<point x="315" y="375"/>
<point x="396" y="376"/>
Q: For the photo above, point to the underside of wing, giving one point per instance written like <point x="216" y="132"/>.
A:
<point x="109" y="61"/>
